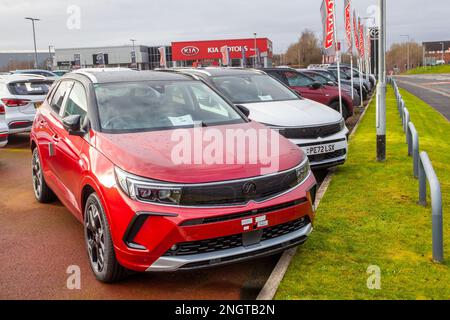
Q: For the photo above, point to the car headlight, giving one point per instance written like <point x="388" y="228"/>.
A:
<point x="342" y="124"/>
<point x="303" y="171"/>
<point x="147" y="190"/>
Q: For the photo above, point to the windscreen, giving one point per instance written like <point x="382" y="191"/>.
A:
<point x="29" y="88"/>
<point x="251" y="88"/>
<point x="161" y="105"/>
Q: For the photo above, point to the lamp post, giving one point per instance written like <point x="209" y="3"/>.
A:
<point x="407" y="49"/>
<point x="443" y="52"/>
<point x="34" y="39"/>
<point x="381" y="87"/>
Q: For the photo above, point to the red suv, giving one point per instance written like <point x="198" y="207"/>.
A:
<point x="310" y="89"/>
<point x="103" y="143"/>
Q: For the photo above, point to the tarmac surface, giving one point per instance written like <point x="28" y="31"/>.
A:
<point x="39" y="242"/>
<point x="434" y="89"/>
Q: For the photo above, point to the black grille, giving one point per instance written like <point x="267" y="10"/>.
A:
<point x="311" y="132"/>
<point x="326" y="156"/>
<point x="208" y="245"/>
<point x="285" y="228"/>
<point x="233" y="241"/>
<point x="243" y="214"/>
<point x="233" y="192"/>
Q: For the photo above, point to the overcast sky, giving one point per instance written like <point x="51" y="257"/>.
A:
<point x="155" y="22"/>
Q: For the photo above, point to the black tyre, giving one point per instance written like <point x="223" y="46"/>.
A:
<point x="99" y="245"/>
<point x="335" y="105"/>
<point x="42" y="191"/>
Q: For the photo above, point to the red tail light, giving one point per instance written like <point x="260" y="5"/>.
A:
<point x="15" y="102"/>
<point x="2" y="109"/>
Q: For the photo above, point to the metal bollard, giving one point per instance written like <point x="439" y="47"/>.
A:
<point x="405" y="121"/>
<point x="426" y="172"/>
<point x="413" y="147"/>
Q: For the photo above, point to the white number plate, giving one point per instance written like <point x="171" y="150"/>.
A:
<point x="324" y="148"/>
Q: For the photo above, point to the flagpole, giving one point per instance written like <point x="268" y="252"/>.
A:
<point x="351" y="71"/>
<point x="337" y="58"/>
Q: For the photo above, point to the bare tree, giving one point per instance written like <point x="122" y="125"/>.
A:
<point x="305" y="51"/>
<point x="397" y="56"/>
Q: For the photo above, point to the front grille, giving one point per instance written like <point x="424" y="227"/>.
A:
<point x="285" y="228"/>
<point x="326" y="156"/>
<point x="234" y="241"/>
<point x="311" y="132"/>
<point x="234" y="192"/>
<point x="244" y="214"/>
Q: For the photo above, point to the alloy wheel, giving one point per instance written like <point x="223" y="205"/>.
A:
<point x="95" y="237"/>
<point x="37" y="174"/>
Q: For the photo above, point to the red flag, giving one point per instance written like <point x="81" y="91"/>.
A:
<point x="225" y="55"/>
<point x="327" y="10"/>
<point x="356" y="32"/>
<point x="348" y="25"/>
<point x="162" y="59"/>
<point x="361" y="38"/>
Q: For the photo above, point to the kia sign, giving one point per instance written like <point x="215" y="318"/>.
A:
<point x="205" y="50"/>
<point x="190" y="51"/>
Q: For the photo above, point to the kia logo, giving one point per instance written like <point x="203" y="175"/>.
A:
<point x="249" y="188"/>
<point x="190" y="51"/>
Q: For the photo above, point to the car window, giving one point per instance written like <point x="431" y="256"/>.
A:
<point x="160" y="105"/>
<point x="29" y="87"/>
<point x="209" y="102"/>
<point x="252" y="88"/>
<point x="279" y="76"/>
<point x="76" y="102"/>
<point x="297" y="80"/>
<point x="60" y="93"/>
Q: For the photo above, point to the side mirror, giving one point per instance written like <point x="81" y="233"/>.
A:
<point x="72" y="124"/>
<point x="316" y="85"/>
<point x="243" y="109"/>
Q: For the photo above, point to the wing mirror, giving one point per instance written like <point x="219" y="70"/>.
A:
<point x="72" y="124"/>
<point x="316" y="85"/>
<point x="244" y="110"/>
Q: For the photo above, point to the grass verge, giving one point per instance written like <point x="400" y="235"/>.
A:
<point x="430" y="70"/>
<point x="369" y="216"/>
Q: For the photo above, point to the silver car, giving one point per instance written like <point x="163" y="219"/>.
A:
<point x="20" y="95"/>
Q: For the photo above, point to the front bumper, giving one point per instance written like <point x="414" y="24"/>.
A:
<point x="325" y="159"/>
<point x="144" y="245"/>
<point x="241" y="253"/>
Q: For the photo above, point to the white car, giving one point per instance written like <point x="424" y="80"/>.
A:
<point x="314" y="127"/>
<point x="45" y="73"/>
<point x="20" y="95"/>
<point x="3" y="128"/>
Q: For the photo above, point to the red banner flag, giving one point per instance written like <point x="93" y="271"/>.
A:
<point x="348" y="25"/>
<point x="361" y="38"/>
<point x="327" y="10"/>
<point x="356" y="32"/>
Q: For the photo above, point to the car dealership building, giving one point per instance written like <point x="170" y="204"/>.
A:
<point x="242" y="52"/>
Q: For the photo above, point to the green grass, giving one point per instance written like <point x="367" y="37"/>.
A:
<point x="430" y="70"/>
<point x="369" y="216"/>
